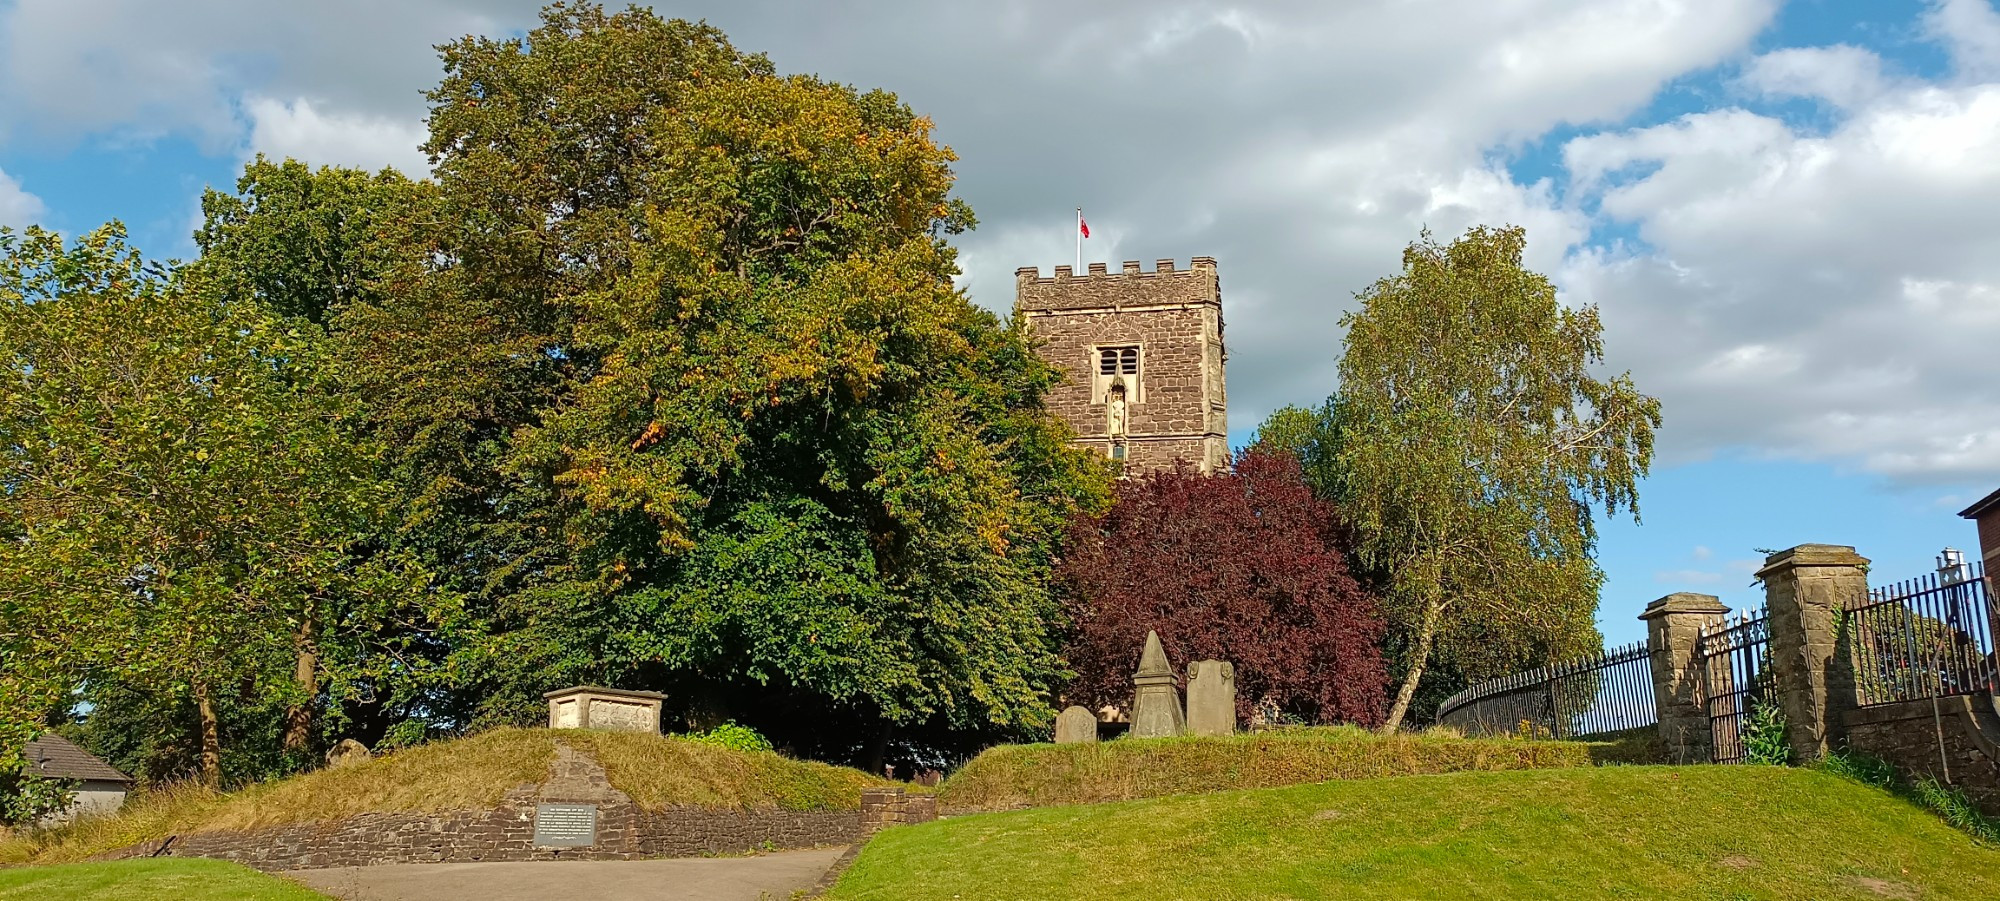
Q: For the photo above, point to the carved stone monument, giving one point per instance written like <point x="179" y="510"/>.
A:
<point x="1075" y="726"/>
<point x="1211" y="698"/>
<point x="591" y="707"/>
<point x="1156" y="704"/>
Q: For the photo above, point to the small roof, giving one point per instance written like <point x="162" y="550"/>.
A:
<point x="1988" y="504"/>
<point x="601" y="690"/>
<point x="55" y="756"/>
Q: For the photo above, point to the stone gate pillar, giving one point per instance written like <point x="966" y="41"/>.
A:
<point x="1673" y="626"/>
<point x="1805" y="591"/>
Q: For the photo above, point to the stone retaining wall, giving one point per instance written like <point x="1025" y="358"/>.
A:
<point x="507" y="832"/>
<point x="1909" y="735"/>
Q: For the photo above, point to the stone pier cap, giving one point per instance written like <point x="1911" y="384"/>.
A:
<point x="1683" y="602"/>
<point x="1812" y="555"/>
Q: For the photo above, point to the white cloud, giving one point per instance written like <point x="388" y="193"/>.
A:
<point x="297" y="129"/>
<point x="1842" y="75"/>
<point x="1826" y="296"/>
<point x="17" y="206"/>
<point x="1686" y="577"/>
<point x="1824" y="291"/>
<point x="1970" y="30"/>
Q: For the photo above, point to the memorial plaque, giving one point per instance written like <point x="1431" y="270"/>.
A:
<point x="565" y="825"/>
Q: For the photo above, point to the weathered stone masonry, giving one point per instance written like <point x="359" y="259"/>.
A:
<point x="1175" y="402"/>
<point x="507" y="832"/>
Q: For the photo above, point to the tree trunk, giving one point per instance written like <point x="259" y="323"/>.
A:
<point x="1420" y="655"/>
<point x="878" y="747"/>
<point x="299" y="717"/>
<point x="211" y="738"/>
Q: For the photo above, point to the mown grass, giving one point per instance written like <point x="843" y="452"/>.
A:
<point x="189" y="879"/>
<point x="467" y="774"/>
<point x="1700" y="832"/>
<point x="1015" y="776"/>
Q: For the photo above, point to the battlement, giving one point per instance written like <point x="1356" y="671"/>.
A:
<point x="1129" y="267"/>
<point x="1100" y="288"/>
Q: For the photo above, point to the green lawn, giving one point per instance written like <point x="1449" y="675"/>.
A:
<point x="188" y="879"/>
<point x="1586" y="833"/>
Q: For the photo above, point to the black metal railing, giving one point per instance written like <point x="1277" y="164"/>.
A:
<point x="1928" y="637"/>
<point x="1607" y="692"/>
<point x="1734" y="659"/>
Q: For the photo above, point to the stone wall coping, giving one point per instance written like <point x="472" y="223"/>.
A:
<point x="1684" y="602"/>
<point x="1982" y="726"/>
<point x="600" y="690"/>
<point x="1812" y="555"/>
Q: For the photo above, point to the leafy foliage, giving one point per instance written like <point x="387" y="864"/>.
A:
<point x="1473" y="442"/>
<point x="1763" y="735"/>
<point x="1245" y="566"/>
<point x="733" y="737"/>
<point x="182" y="500"/>
<point x="26" y="796"/>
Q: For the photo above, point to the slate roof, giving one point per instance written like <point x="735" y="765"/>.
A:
<point x="55" y="756"/>
<point x="1979" y="509"/>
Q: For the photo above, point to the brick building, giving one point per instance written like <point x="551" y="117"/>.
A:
<point x="1986" y="514"/>
<point x="1143" y="358"/>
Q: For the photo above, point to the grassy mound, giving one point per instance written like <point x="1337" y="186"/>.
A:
<point x="190" y="879"/>
<point x="1603" y="832"/>
<point x="1015" y="776"/>
<point x="467" y="774"/>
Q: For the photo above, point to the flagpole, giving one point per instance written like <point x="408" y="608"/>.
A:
<point x="1079" y="241"/>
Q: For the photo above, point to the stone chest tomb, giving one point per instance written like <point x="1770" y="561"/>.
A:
<point x="590" y="707"/>
<point x="1142" y="358"/>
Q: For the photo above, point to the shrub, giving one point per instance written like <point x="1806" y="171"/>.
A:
<point x="732" y="736"/>
<point x="1246" y="566"/>
<point x="1763" y="733"/>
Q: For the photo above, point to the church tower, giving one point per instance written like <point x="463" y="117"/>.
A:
<point x="1141" y="354"/>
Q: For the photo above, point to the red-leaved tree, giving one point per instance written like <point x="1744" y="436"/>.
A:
<point x="1244" y="566"/>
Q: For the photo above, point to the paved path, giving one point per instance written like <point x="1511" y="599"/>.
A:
<point x="774" y="876"/>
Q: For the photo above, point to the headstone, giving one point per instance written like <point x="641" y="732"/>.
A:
<point x="348" y="751"/>
<point x="1156" y="703"/>
<point x="565" y="825"/>
<point x="1211" y="700"/>
<point x="1076" y="725"/>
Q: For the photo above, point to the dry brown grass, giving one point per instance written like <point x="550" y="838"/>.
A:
<point x="467" y="774"/>
<point x="1014" y="776"/>
<point x="669" y="772"/>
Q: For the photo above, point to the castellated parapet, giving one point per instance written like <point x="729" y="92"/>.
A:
<point x="1142" y="357"/>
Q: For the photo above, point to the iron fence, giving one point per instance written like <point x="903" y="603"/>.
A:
<point x="1734" y="658"/>
<point x="1928" y="637"/>
<point x="1607" y="692"/>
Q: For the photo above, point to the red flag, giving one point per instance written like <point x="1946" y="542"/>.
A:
<point x="1084" y="226"/>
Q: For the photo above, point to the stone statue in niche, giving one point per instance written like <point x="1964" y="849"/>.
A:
<point x="1114" y="410"/>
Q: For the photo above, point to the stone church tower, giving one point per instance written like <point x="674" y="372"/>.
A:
<point x="1142" y="357"/>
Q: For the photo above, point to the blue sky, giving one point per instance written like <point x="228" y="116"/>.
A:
<point x="1783" y="209"/>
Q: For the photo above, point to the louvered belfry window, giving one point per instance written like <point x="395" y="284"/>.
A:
<point x="1118" y="361"/>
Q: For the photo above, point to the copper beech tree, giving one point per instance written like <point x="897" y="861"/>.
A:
<point x="1245" y="566"/>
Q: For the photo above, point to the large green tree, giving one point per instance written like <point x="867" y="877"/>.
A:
<point x="182" y="502"/>
<point x="687" y="398"/>
<point x="1471" y="443"/>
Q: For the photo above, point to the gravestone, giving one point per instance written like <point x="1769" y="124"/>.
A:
<point x="1211" y="699"/>
<point x="591" y="707"/>
<point x="1156" y="703"/>
<point x="348" y="751"/>
<point x="1075" y="726"/>
<point x="565" y="825"/>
